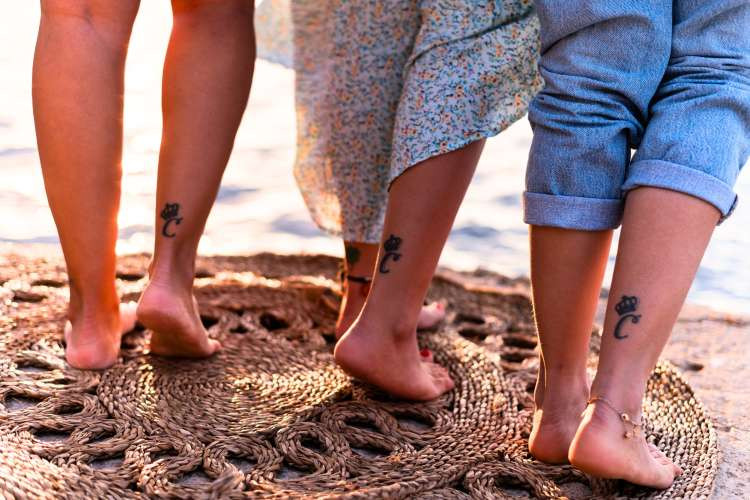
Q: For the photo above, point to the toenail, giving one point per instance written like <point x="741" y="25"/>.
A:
<point x="425" y="352"/>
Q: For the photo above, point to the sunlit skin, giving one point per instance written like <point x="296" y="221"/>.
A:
<point x="664" y="236"/>
<point x="78" y="85"/>
<point x="360" y="261"/>
<point x="381" y="345"/>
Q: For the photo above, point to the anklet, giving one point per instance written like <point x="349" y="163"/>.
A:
<point x="358" y="279"/>
<point x="363" y="280"/>
<point x="635" y="427"/>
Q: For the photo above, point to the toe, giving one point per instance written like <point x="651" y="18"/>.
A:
<point x="446" y="384"/>
<point x="667" y="469"/>
<point x="664" y="460"/>
<point x="128" y="316"/>
<point x="436" y="370"/>
<point x="441" y="377"/>
<point x="431" y="315"/>
<point x="677" y="470"/>
<point x="661" y="457"/>
<point x="438" y="308"/>
<point x="66" y="331"/>
<point x="426" y="355"/>
<point x="656" y="452"/>
<point x="214" y="346"/>
<point x="430" y="369"/>
<point x="658" y="455"/>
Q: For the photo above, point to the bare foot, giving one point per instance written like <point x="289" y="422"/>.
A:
<point x="557" y="414"/>
<point x="600" y="449"/>
<point x="391" y="362"/>
<point x="95" y="344"/>
<point x="173" y="318"/>
<point x="552" y="432"/>
<point x="431" y="315"/>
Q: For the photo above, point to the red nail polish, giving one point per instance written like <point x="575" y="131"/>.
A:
<point x="425" y="352"/>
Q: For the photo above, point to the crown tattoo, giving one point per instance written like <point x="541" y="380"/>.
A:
<point x="171" y="211"/>
<point x="626" y="305"/>
<point x="392" y="244"/>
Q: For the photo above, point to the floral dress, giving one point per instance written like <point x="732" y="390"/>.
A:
<point x="382" y="85"/>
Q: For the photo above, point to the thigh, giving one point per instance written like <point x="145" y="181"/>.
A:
<point x="698" y="137"/>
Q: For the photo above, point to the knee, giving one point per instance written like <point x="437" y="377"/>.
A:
<point x="113" y="21"/>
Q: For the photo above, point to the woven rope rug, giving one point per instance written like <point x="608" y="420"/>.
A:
<point x="271" y="416"/>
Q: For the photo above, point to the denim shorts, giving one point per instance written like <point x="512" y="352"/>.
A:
<point x="669" y="79"/>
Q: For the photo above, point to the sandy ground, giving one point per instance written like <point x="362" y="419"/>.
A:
<point x="720" y="344"/>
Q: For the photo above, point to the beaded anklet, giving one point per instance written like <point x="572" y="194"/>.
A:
<point x="632" y="428"/>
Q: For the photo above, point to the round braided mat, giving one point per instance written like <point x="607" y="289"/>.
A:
<point x="271" y="415"/>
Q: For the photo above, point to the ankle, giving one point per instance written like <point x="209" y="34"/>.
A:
<point x="356" y="293"/>
<point x="573" y="370"/>
<point x="566" y="384"/>
<point x="93" y="305"/>
<point x="390" y="314"/>
<point x="351" y="305"/>
<point x="396" y="329"/>
<point x="602" y="416"/>
<point x="95" y="318"/>
<point x="624" y="399"/>
<point x="171" y="271"/>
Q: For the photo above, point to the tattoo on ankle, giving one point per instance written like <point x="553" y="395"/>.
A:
<point x="626" y="309"/>
<point x="170" y="214"/>
<point x="391" y="246"/>
<point x="352" y="254"/>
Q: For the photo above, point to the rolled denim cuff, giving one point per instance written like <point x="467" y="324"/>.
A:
<point x="676" y="177"/>
<point x="571" y="212"/>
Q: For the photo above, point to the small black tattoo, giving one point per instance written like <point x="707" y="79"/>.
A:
<point x="352" y="255"/>
<point x="170" y="214"/>
<point x="625" y="308"/>
<point x="391" y="247"/>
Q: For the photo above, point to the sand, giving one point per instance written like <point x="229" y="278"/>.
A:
<point x="712" y="350"/>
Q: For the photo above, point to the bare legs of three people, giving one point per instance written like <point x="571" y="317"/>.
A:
<point x="79" y="128"/>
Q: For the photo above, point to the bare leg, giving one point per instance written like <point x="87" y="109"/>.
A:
<point x="78" y="82"/>
<point x="664" y="236"/>
<point x="381" y="346"/>
<point x="567" y="268"/>
<point x="207" y="77"/>
<point x="360" y="262"/>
